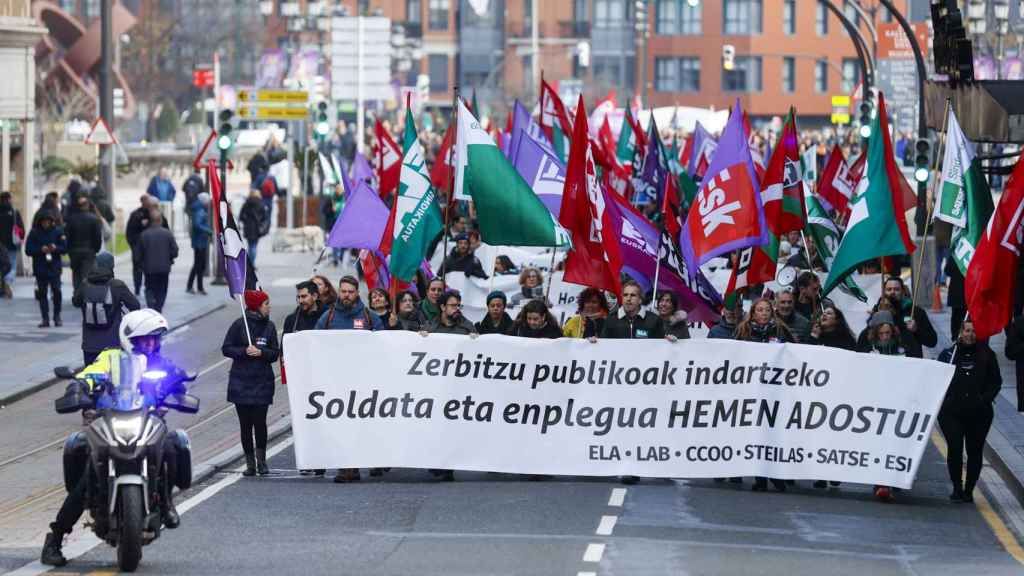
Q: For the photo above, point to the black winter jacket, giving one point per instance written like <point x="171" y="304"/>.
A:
<point x="255" y="220"/>
<point x="976" y="382"/>
<point x="84" y="231"/>
<point x="251" y="380"/>
<point x="156" y="251"/>
<point x="461" y="326"/>
<point x="37" y="238"/>
<point x="837" y="338"/>
<point x="467" y="263"/>
<point x="122" y="300"/>
<point x="550" y="330"/>
<point x="138" y="221"/>
<point x="643" y="325"/>
<point x="486" y="326"/>
<point x="9" y="218"/>
<point x="298" y="320"/>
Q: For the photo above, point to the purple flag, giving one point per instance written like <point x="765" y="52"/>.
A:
<point x="723" y="198"/>
<point x="362" y="221"/>
<point x="362" y="171"/>
<point x="543" y="171"/>
<point x="649" y="181"/>
<point x="703" y="143"/>
<point x="638" y="245"/>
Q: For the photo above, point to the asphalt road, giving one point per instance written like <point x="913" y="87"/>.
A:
<point x="407" y="523"/>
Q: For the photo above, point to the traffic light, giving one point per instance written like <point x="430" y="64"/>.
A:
<point x="923" y="159"/>
<point x="224" y="140"/>
<point x="728" y="56"/>
<point x="866" y="106"/>
<point x="322" y="126"/>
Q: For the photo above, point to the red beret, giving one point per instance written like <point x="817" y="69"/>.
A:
<point x="255" y="298"/>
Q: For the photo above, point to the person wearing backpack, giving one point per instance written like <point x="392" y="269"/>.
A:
<point x="192" y="187"/>
<point x="103" y="300"/>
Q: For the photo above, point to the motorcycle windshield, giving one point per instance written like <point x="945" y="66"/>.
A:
<point x="126" y="393"/>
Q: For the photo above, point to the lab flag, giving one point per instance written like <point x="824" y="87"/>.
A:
<point x="990" y="282"/>
<point x="963" y="199"/>
<point x="415" y="218"/>
<point x="878" y="224"/>
<point x="508" y="211"/>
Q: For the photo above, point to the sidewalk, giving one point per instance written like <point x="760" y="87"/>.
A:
<point x="31" y="353"/>
<point x="1005" y="444"/>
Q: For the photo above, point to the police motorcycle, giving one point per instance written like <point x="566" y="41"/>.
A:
<point x="128" y="479"/>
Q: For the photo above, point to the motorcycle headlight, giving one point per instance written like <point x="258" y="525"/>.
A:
<point x="127" y="429"/>
<point x="154" y="374"/>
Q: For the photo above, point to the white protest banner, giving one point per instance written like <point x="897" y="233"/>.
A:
<point x="691" y="409"/>
<point x="474" y="293"/>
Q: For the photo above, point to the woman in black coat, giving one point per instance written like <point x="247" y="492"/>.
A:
<point x="536" y="321"/>
<point x="251" y="379"/>
<point x="966" y="413"/>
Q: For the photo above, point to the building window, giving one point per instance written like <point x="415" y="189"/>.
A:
<point x="667" y="17"/>
<point x="689" y="74"/>
<point x="741" y="17"/>
<point x="689" y="18"/>
<point x="789" y="74"/>
<point x="607" y="69"/>
<point x="437" y="66"/>
<point x="821" y="76"/>
<point x="579" y="10"/>
<point x="666" y="71"/>
<point x="438" y="15"/>
<point x="821" y="19"/>
<point x="789" y="17"/>
<point x="851" y="73"/>
<point x="745" y="75"/>
<point x="91" y="9"/>
<point x="609" y="13"/>
<point x="851" y="13"/>
<point x="68" y="6"/>
<point x="887" y="16"/>
<point x="413" y="11"/>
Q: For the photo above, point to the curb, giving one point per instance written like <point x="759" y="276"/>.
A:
<point x="222" y="461"/>
<point x="32" y="388"/>
<point x="999" y="449"/>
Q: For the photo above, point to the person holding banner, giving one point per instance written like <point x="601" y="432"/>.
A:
<point x="450" y="320"/>
<point x="536" y="321"/>
<point x="497" y="320"/>
<point x="673" y="319"/>
<point x="785" y="310"/>
<point x="966" y="413"/>
<point x="629" y="321"/>
<point x="429" y="309"/>
<point x="761" y="325"/>
<point x="251" y="344"/>
<point x="407" y="318"/>
<point x="590" y="315"/>
<point x="726" y="327"/>
<point x="912" y="321"/>
<point x="832" y="330"/>
<point x="380" y="302"/>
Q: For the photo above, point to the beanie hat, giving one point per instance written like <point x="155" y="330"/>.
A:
<point x="105" y="261"/>
<point x="254" y="299"/>
<point x="497" y="294"/>
<point x="881" y="317"/>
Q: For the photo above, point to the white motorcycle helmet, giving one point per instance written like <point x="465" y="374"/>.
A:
<point x="145" y="322"/>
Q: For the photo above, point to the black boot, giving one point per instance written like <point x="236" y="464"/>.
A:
<point x="52" y="555"/>
<point x="250" y="465"/>
<point x="168" y="513"/>
<point x="261" y="463"/>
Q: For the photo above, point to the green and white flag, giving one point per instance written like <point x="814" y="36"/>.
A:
<point x="826" y="237"/>
<point x="964" y="199"/>
<point x="508" y="211"/>
<point x="415" y="215"/>
<point x="809" y="164"/>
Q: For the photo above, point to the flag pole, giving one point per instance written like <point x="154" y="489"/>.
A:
<point x="928" y="224"/>
<point x="657" y="270"/>
<point x="551" y="274"/>
<point x="241" y="303"/>
<point x="451" y="182"/>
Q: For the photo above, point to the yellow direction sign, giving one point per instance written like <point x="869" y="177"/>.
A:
<point x="269" y="113"/>
<point x="840" y="117"/>
<point x="275" y="96"/>
<point x="841" y="101"/>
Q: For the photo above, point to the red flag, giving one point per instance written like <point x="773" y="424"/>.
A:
<point x="595" y="259"/>
<point x="991" y="278"/>
<point x="857" y="169"/>
<point x="782" y="188"/>
<point x="671" y="209"/>
<point x="553" y="110"/>
<point x="638" y="132"/>
<point x="389" y="161"/>
<point x="441" y="172"/>
<point x="836" y="184"/>
<point x="686" y="152"/>
<point x="607" y="141"/>
<point x="370" y="263"/>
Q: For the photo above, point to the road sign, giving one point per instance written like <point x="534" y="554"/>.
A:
<point x="840" y="117"/>
<point x="841" y="101"/>
<point x="840" y="109"/>
<point x="100" y="133"/>
<point x="270" y="113"/>
<point x="201" y="157"/>
<point x="376" y="50"/>
<point x="202" y="78"/>
<point x="274" y="96"/>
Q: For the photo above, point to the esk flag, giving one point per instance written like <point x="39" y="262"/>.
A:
<point x="727" y="213"/>
<point x="389" y="161"/>
<point x="878" y="223"/>
<point x="237" y="271"/>
<point x="991" y="280"/>
<point x="963" y="199"/>
<point x="595" y="260"/>
<point x="836" y="183"/>
<point x="415" y="218"/>
<point x="508" y="212"/>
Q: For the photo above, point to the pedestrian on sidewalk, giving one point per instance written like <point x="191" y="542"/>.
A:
<point x="103" y="300"/>
<point x="51" y="204"/>
<point x="348" y="313"/>
<point x="251" y="378"/>
<point x="255" y="223"/>
<point x="156" y="254"/>
<point x="12" y="234"/>
<point x="138" y="221"/>
<point x="84" y="231"/>
<point x="46" y="244"/>
<point x="966" y="414"/>
<point x="161" y="188"/>
<point x="201" y="233"/>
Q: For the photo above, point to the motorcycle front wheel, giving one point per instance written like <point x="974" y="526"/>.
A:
<point x="129" y="546"/>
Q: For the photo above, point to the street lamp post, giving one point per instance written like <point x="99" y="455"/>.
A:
<point x="641" y="42"/>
